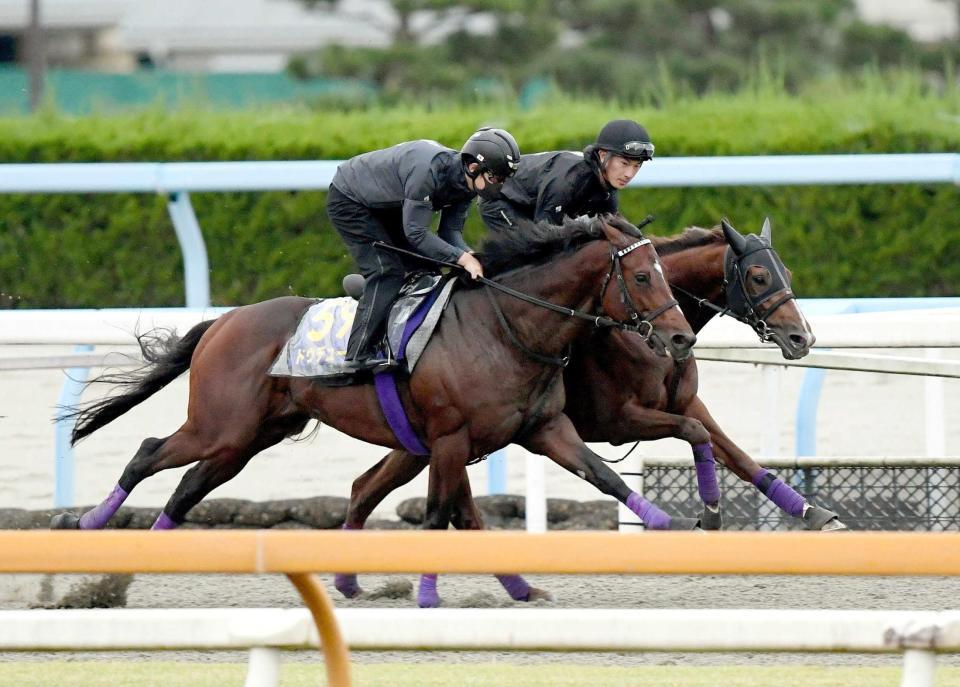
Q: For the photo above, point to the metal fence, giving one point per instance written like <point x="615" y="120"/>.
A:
<point x="915" y="498"/>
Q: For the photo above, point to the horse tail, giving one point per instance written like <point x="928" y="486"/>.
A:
<point x="167" y="356"/>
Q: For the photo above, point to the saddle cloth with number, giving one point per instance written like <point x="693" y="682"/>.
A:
<point x="318" y="346"/>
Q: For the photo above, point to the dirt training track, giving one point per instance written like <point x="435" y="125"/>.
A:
<point x="860" y="414"/>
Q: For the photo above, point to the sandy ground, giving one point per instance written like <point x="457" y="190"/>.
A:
<point x="860" y="414"/>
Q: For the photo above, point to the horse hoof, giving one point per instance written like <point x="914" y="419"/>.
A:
<point x="428" y="599"/>
<point x="823" y="520"/>
<point x="347" y="585"/>
<point x="834" y="526"/>
<point x="539" y="595"/>
<point x="65" y="521"/>
<point x="684" y="524"/>
<point x="711" y="519"/>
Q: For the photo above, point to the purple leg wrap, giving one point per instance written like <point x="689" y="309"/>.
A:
<point x="653" y="517"/>
<point x="97" y="518"/>
<point x="164" y="522"/>
<point x="346" y="583"/>
<point x="427" y="596"/>
<point x="706" y="474"/>
<point x="779" y="492"/>
<point x="516" y="587"/>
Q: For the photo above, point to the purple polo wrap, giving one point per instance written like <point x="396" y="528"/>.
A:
<point x="516" y="587"/>
<point x="653" y="517"/>
<point x="164" y="523"/>
<point x="346" y="583"/>
<point x="706" y="474"/>
<point x="427" y="596"/>
<point x="97" y="518"/>
<point x="779" y="492"/>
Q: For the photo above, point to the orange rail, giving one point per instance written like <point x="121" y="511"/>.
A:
<point x="299" y="553"/>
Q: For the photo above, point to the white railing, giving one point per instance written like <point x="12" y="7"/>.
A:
<point x="931" y="328"/>
<point x="919" y="635"/>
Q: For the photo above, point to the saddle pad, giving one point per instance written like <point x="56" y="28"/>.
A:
<point x="319" y="344"/>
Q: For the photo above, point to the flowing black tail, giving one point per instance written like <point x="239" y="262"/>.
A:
<point x="167" y="355"/>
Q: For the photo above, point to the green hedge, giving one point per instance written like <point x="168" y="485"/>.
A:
<point x="120" y="250"/>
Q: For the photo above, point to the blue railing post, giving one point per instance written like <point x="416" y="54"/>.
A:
<point x="64" y="494"/>
<point x="196" y="268"/>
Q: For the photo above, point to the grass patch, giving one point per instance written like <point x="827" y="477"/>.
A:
<point x="167" y="674"/>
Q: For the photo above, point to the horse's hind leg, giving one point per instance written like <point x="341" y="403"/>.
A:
<point x="221" y="459"/>
<point x="153" y="456"/>
<point x="393" y="471"/>
<point x="199" y="481"/>
<point x="369" y="489"/>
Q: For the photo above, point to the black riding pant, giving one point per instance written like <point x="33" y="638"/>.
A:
<point x="384" y="271"/>
<point x="501" y="215"/>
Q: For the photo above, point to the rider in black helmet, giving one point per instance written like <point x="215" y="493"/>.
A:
<point x="550" y="186"/>
<point x="390" y="195"/>
<point x="497" y="155"/>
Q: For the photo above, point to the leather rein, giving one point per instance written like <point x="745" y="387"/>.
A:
<point x="640" y="323"/>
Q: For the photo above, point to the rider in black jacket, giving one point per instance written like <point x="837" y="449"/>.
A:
<point x="390" y="195"/>
<point x="550" y="186"/>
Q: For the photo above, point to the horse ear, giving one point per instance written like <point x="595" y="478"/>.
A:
<point x="736" y="241"/>
<point x="611" y="231"/>
<point x="766" y="232"/>
<point x="621" y="223"/>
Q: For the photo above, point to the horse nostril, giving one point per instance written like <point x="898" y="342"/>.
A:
<point x="799" y="341"/>
<point x="683" y="342"/>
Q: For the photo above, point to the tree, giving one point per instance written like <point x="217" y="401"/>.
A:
<point x="620" y="49"/>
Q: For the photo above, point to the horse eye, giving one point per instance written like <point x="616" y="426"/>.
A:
<point x="642" y="278"/>
<point x="759" y="279"/>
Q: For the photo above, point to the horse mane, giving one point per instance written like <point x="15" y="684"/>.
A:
<point x="691" y="237"/>
<point x="531" y="243"/>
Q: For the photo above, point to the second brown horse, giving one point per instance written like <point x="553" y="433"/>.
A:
<point x="625" y="392"/>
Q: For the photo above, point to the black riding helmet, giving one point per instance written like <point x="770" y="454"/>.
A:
<point x="495" y="150"/>
<point x="626" y="138"/>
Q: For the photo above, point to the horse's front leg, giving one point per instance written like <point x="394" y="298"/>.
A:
<point x="558" y="440"/>
<point x="647" y="424"/>
<point x="393" y="471"/>
<point x="448" y="461"/>
<point x="771" y="486"/>
<point x="466" y="516"/>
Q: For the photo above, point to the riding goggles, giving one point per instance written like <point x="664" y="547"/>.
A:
<point x="640" y="149"/>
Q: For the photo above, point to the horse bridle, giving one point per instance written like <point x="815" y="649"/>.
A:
<point x="639" y="323"/>
<point x="636" y="315"/>
<point x="740" y="305"/>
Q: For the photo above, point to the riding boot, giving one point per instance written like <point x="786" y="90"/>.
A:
<point x="380" y="290"/>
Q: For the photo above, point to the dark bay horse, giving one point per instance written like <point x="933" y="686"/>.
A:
<point x="620" y="391"/>
<point x="484" y="380"/>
